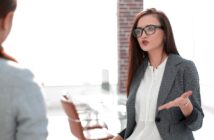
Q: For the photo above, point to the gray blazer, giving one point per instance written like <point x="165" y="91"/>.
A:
<point x="180" y="75"/>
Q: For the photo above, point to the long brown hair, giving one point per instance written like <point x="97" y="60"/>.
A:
<point x="6" y="6"/>
<point x="136" y="54"/>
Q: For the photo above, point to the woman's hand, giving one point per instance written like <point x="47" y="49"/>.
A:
<point x="182" y="102"/>
<point x="118" y="137"/>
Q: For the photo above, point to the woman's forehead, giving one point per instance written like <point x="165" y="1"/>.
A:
<point x="148" y="20"/>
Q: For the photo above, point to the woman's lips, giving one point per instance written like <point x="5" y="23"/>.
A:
<point x="145" y="42"/>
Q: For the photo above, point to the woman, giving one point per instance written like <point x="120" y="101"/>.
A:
<point x="163" y="88"/>
<point x="22" y="107"/>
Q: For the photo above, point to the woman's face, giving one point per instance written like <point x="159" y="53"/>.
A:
<point x="154" y="39"/>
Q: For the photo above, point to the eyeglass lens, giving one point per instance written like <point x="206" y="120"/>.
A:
<point x="149" y="30"/>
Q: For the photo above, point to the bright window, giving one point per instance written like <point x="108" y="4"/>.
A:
<point x="66" y="42"/>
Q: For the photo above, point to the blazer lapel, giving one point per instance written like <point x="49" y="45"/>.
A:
<point x="132" y="96"/>
<point x="168" y="78"/>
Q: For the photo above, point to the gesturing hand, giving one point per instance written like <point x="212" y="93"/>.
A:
<point x="183" y="102"/>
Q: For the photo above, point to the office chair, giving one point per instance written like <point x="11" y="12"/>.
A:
<point x="90" y="132"/>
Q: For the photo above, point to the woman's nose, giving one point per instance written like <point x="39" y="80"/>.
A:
<point x="144" y="35"/>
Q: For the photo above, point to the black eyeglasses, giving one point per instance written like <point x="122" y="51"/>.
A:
<point x="149" y="30"/>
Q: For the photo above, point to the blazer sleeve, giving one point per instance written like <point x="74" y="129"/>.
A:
<point x="122" y="133"/>
<point x="191" y="82"/>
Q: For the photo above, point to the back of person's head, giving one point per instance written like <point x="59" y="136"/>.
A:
<point x="6" y="8"/>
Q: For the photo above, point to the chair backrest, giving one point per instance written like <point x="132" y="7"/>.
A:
<point x="73" y="118"/>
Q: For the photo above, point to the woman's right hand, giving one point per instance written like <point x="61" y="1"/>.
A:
<point x="118" y="137"/>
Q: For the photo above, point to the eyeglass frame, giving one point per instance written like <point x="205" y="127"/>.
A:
<point x="143" y="29"/>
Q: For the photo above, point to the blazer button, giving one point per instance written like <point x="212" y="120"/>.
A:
<point x="157" y="119"/>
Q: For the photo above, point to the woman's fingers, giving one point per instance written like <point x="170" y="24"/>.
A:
<point x="181" y="101"/>
<point x="187" y="94"/>
<point x="167" y="105"/>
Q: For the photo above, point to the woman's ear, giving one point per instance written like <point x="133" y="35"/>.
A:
<point x="6" y="24"/>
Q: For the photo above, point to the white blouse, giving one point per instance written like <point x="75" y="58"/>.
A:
<point x="145" y="106"/>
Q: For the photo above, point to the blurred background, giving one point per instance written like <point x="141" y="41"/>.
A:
<point x="77" y="46"/>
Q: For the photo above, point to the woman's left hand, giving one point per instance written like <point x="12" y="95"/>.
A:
<point x="183" y="102"/>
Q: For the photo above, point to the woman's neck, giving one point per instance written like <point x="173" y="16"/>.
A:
<point x="156" y="59"/>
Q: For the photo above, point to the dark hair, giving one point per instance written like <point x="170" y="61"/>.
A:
<point x="136" y="54"/>
<point x="6" y="6"/>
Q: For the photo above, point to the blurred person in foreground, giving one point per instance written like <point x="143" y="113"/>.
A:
<point x="163" y="89"/>
<point x="22" y="106"/>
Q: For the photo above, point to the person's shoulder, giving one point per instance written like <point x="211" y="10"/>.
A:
<point x="181" y="60"/>
<point x="188" y="63"/>
<point x="14" y="71"/>
<point x="19" y="81"/>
